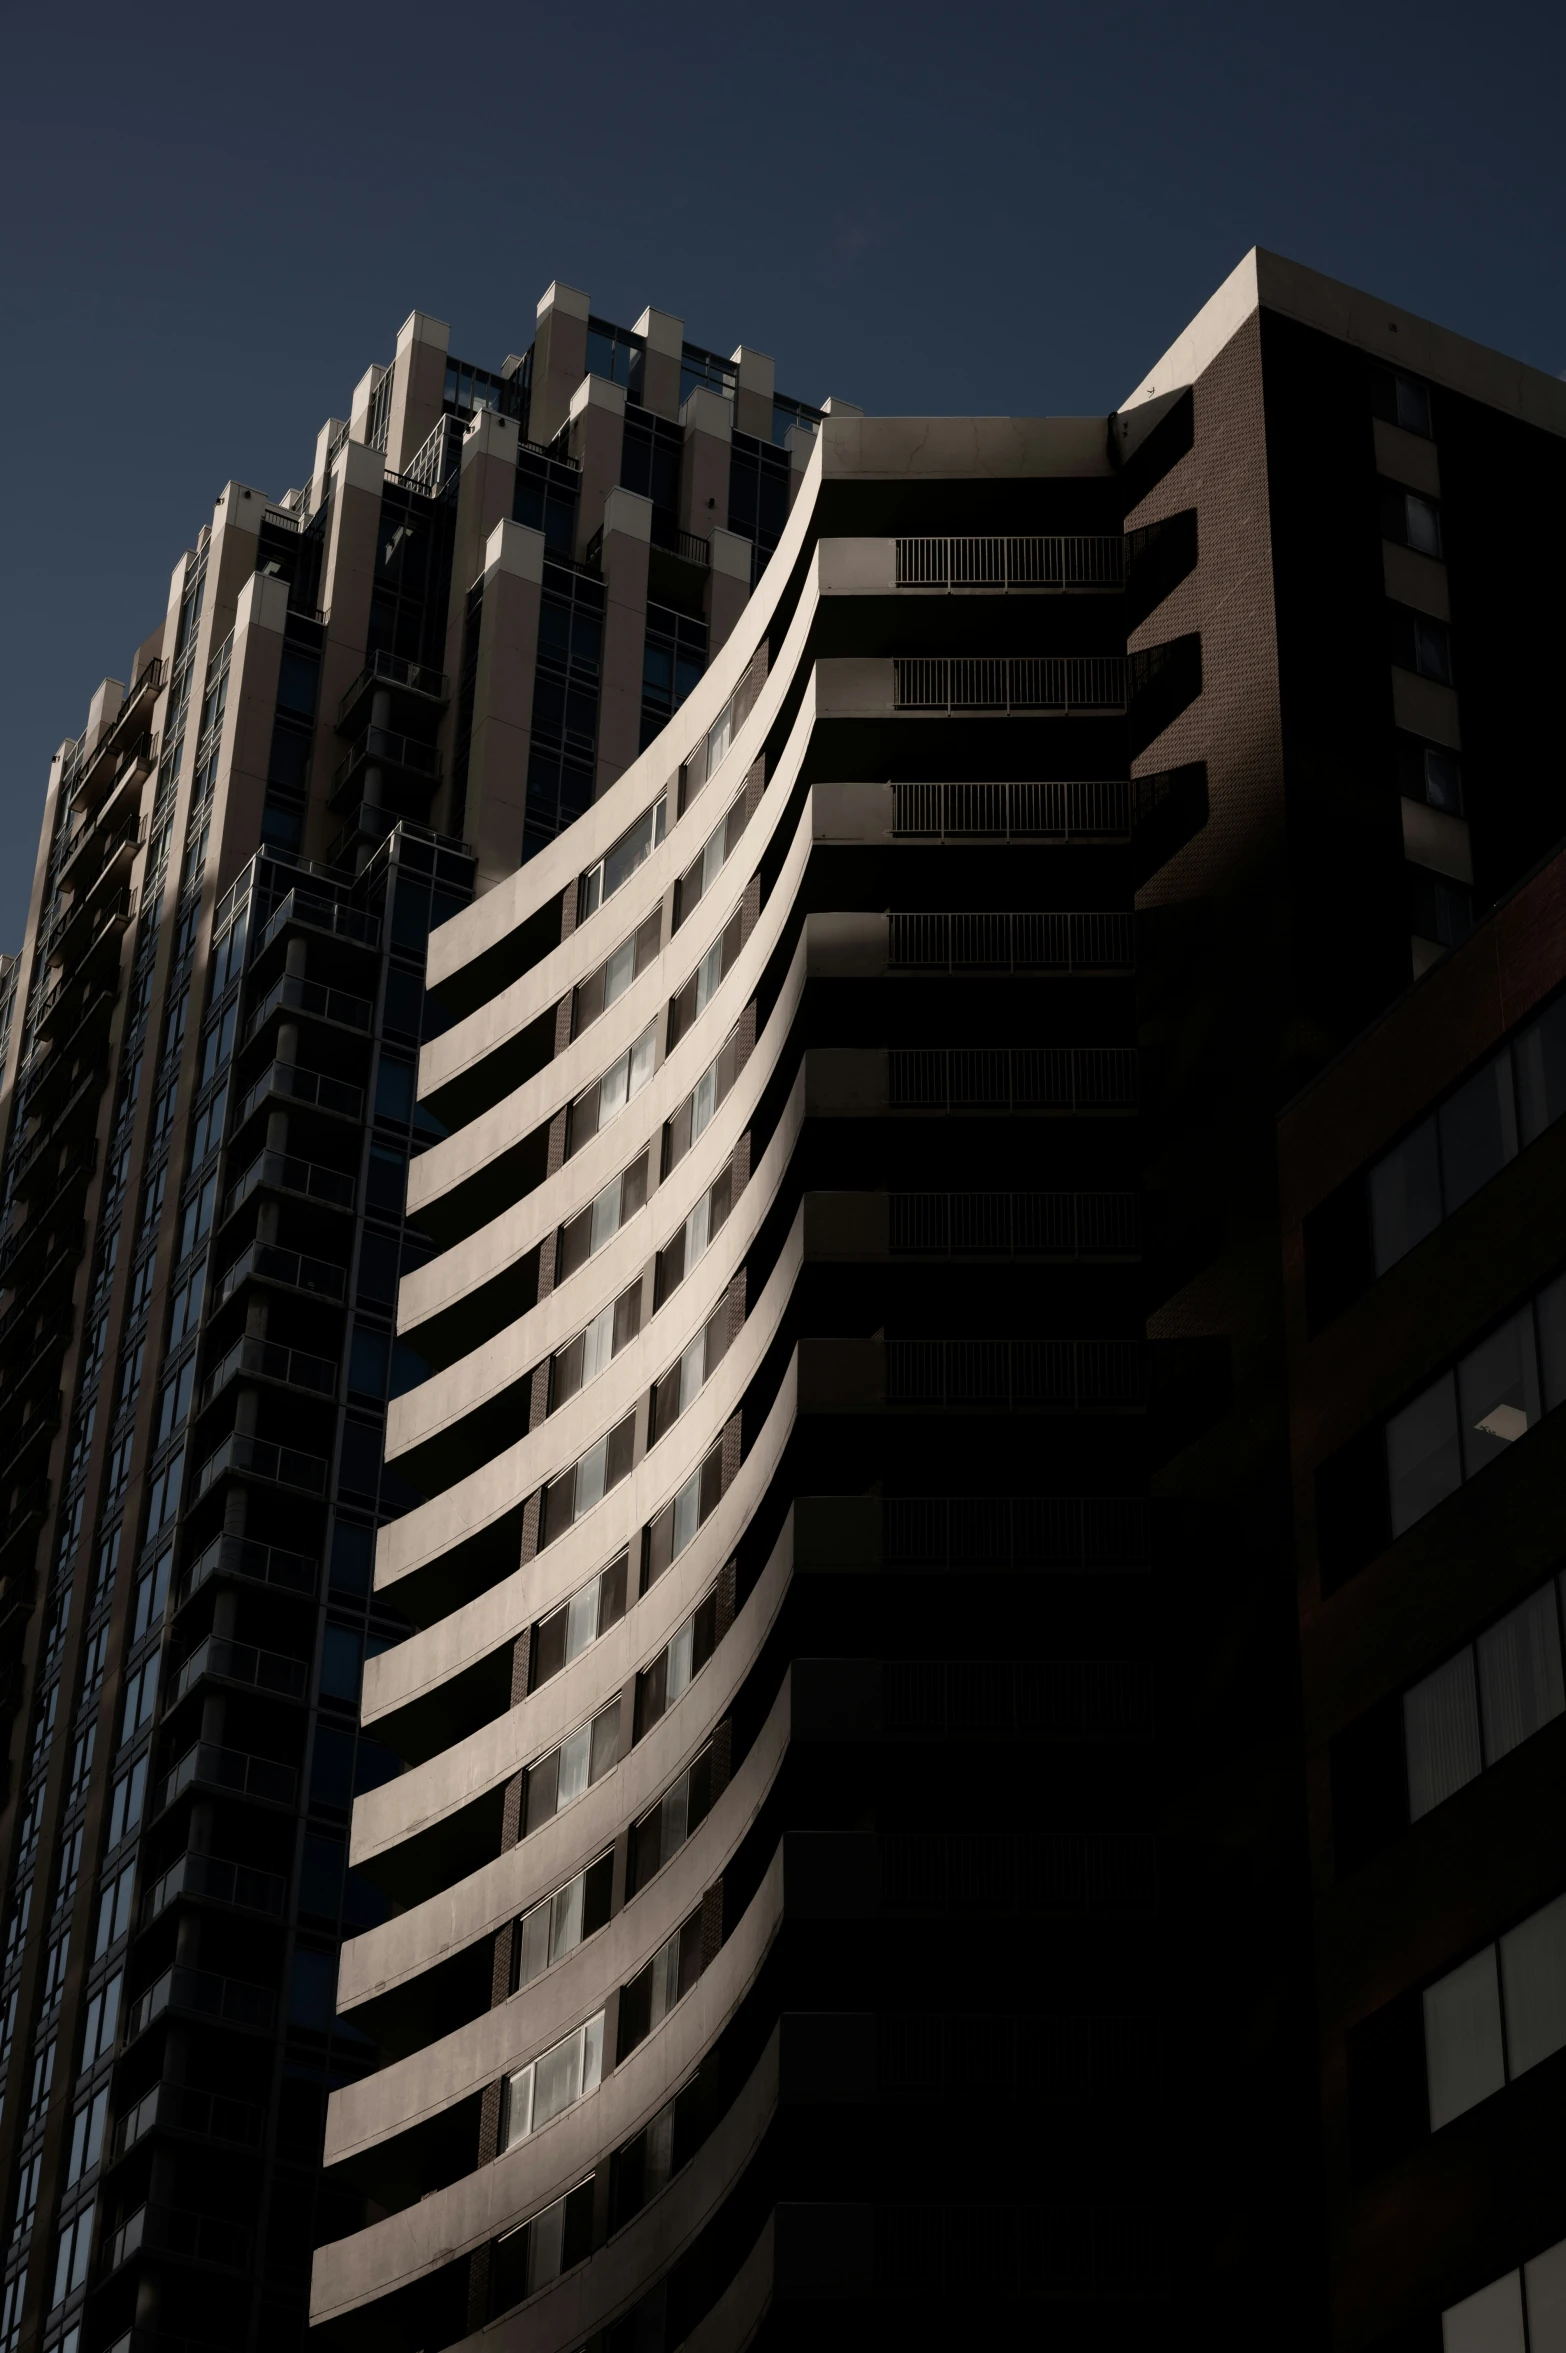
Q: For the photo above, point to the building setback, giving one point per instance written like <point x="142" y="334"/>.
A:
<point x="835" y="1842"/>
<point x="366" y="699"/>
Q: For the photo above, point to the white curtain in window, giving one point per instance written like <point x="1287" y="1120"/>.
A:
<point x="1463" y="2062"/>
<point x="1490" y="2322"/>
<point x="1544" y="2283"/>
<point x="1441" y="1734"/>
<point x="1533" y="1974"/>
<point x="1520" y="1674"/>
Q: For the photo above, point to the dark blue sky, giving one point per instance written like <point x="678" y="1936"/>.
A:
<point x="216" y="218"/>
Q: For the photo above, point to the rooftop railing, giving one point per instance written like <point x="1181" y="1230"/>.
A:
<point x="1049" y="562"/>
<point x="1043" y="682"/>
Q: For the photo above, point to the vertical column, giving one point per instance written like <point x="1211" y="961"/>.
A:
<point x="320" y="472"/>
<point x="800" y="443"/>
<point x="728" y="585"/>
<point x="253" y="668"/>
<point x="347" y="580"/>
<point x="754" y="376"/>
<point x="359" y="406"/>
<point x="627" y="547"/>
<point x="418" y="386"/>
<point x="597" y="444"/>
<point x="704" y="474"/>
<point x="486" y="495"/>
<point x="559" y="359"/>
<point x="503" y="698"/>
<point x="664" y="338"/>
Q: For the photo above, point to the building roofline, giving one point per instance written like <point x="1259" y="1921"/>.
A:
<point x="1269" y="281"/>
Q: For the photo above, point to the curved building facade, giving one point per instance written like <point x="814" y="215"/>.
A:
<point x="773" y="1852"/>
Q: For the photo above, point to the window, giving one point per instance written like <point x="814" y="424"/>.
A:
<point x="577" y="1623"/>
<point x="557" y="1926"/>
<point x="682" y="1384"/>
<point x="674" y="656"/>
<point x="658" y="1837"/>
<point x="613" y="353"/>
<point x="55" y="1961"/>
<point x="125" y="1801"/>
<point x="87" y="2136"/>
<point x="1521" y="1979"/>
<point x="1402" y="400"/>
<point x="653" y="1992"/>
<point x="702" y="1104"/>
<point x="675" y="1668"/>
<point x="614" y="976"/>
<point x="141" y="1691"/>
<point x="545" y="500"/>
<point x="174" y="1404"/>
<point x="1492" y="2320"/>
<point x="536" y="2252"/>
<point x="650" y="457"/>
<point x="41" y="2081"/>
<point x="70" y="2267"/>
<point x="1418" y="643"/>
<point x="114" y="1910"/>
<point x="702" y="986"/>
<point x="602" y="1219"/>
<point x="1410" y="520"/>
<point x="197" y="1218"/>
<point x="187" y="1305"/>
<point x="584" y="1358"/>
<point x="163" y="1496"/>
<point x="540" y="2092"/>
<point x="1443" y="1162"/>
<point x="618" y="864"/>
<point x="704" y="1224"/>
<point x="577" y="1490"/>
<point x="700" y="876"/>
<point x="1470" y="1416"/>
<point x="1477" y="1707"/>
<point x="151" y="1596"/>
<point x="560" y="1778"/>
<point x="1438" y="908"/>
<point x="620" y="1084"/>
<point x="668" y="1535"/>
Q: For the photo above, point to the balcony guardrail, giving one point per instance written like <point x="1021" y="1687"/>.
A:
<point x="314" y="1087"/>
<point x="270" y="1361"/>
<point x="384" y="745"/>
<point x="227" y="1661"/>
<point x="283" y="1466"/>
<point x="1015" y="1078"/>
<point x="1014" y="1225"/>
<point x="1048" y="562"/>
<point x="1092" y="810"/>
<point x="270" y="1264"/>
<point x="216" y="1881"/>
<point x="1017" y="1376"/>
<point x="321" y="914"/>
<point x="184" y="2107"/>
<point x="230" y="1769"/>
<point x="294" y="994"/>
<point x="262" y="1564"/>
<point x="385" y="669"/>
<point x="1017" y="683"/>
<point x="282" y="519"/>
<point x="1013" y="943"/>
<point x="200" y="2238"/>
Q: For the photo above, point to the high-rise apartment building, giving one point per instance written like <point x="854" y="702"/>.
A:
<point x="836" y="1846"/>
<point x="366" y="699"/>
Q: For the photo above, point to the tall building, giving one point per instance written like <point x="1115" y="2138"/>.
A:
<point x="366" y="699"/>
<point x="1424" y="1178"/>
<point x="836" y="1836"/>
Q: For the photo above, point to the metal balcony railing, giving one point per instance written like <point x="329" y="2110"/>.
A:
<point x="386" y="748"/>
<point x="1015" y="1078"/>
<point x="1056" y="811"/>
<point x="384" y="669"/>
<point x="1013" y="943"/>
<point x="1017" y="683"/>
<point x="284" y="1172"/>
<point x="226" y="1661"/>
<point x="268" y="1360"/>
<point x="184" y="2107"/>
<point x="315" y="1087"/>
<point x="268" y="1264"/>
<point x="294" y="994"/>
<point x="1021" y="1531"/>
<point x="1015" y="1225"/>
<point x="226" y="1768"/>
<point x="283" y="1466"/>
<point x="1017" y="1376"/>
<point x="1049" y="562"/>
<point x="173" y="2230"/>
<point x="260" y="1564"/>
<point x="213" y="1880"/>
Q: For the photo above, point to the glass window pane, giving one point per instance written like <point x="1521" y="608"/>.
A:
<point x="1498" y="1390"/>
<point x="546" y="2239"/>
<point x="1441" y="1734"/>
<point x="535" y="1943"/>
<point x="566" y="1924"/>
<point x="1463" y="2039"/>
<point x="606" y="1214"/>
<point x="1404" y="1196"/>
<point x="1478" y="1131"/>
<point x="618" y="971"/>
<point x="680" y="1660"/>
<point x="590" y="1477"/>
<point x="1533" y="1973"/>
<point x="581" y="1620"/>
<point x="559" y="2074"/>
<point x="592" y="2053"/>
<point x="1423" y="1463"/>
<point x="1541" y="1072"/>
<point x="573" y="1766"/>
<point x="1520" y="1674"/>
<point x="519" y="2107"/>
<point x="1551" y="1309"/>
<point x="1544" y="2283"/>
<point x="1490" y="2322"/>
<point x="597" y="1345"/>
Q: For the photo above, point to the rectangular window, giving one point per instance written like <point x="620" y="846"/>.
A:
<point x="568" y="1631"/>
<point x="560" y="1778"/>
<point x="614" y="1207"/>
<point x="1468" y="2052"/>
<point x="653" y="1992"/>
<point x="702" y="1104"/>
<point x="675" y="1668"/>
<point x="614" y="976"/>
<point x="540" y="2092"/>
<point x="658" y="1837"/>
<point x="617" y="865"/>
<point x="577" y="1490"/>
<point x="1402" y="400"/>
<point x="584" y="1358"/>
<point x="704" y="1224"/>
<point x="557" y="1926"/>
<point x="683" y="1383"/>
<point x="1410" y="520"/>
<point x="703" y="872"/>
<point x="667" y="1536"/>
